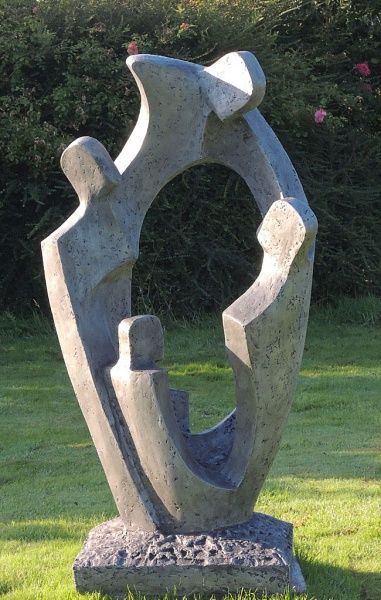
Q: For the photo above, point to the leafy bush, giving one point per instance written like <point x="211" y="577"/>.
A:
<point x="63" y="75"/>
<point x="339" y="160"/>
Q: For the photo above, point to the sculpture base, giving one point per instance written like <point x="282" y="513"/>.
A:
<point x="254" y="556"/>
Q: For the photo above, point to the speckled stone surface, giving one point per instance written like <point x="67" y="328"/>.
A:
<point x="163" y="476"/>
<point x="256" y="555"/>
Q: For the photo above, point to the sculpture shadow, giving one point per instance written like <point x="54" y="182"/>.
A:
<point x="344" y="584"/>
<point x="37" y="532"/>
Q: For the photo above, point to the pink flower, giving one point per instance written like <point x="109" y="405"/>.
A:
<point x="363" y="69"/>
<point x="320" y="115"/>
<point x="132" y="48"/>
<point x="184" y="26"/>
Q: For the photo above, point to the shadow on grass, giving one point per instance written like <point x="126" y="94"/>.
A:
<point x="37" y="532"/>
<point x="5" y="588"/>
<point x="343" y="584"/>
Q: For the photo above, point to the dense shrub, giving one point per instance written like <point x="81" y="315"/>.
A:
<point x="63" y="75"/>
<point x="339" y="161"/>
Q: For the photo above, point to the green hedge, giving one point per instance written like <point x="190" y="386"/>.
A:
<point x="63" y="75"/>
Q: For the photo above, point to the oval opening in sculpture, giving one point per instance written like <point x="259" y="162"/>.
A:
<point x="204" y="220"/>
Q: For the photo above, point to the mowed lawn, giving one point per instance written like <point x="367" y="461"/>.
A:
<point x="325" y="479"/>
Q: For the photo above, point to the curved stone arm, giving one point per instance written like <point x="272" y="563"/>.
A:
<point x="264" y="332"/>
<point x="189" y="115"/>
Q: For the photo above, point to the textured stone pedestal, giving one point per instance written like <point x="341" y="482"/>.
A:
<point x="255" y="556"/>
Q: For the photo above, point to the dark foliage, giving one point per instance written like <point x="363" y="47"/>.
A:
<point x="62" y="75"/>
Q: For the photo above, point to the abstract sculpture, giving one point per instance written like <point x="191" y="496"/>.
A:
<point x="185" y="500"/>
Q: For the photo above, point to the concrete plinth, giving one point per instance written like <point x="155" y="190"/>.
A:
<point x="254" y="556"/>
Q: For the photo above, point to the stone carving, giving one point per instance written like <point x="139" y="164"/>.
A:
<point x="167" y="481"/>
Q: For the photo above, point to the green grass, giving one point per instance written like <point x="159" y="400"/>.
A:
<point x="325" y="478"/>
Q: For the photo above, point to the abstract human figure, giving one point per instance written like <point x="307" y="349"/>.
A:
<point x="164" y="479"/>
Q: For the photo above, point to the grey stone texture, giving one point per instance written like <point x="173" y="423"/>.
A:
<point x="163" y="477"/>
<point x="256" y="556"/>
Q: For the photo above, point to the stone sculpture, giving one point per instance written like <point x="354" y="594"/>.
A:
<point x="185" y="500"/>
